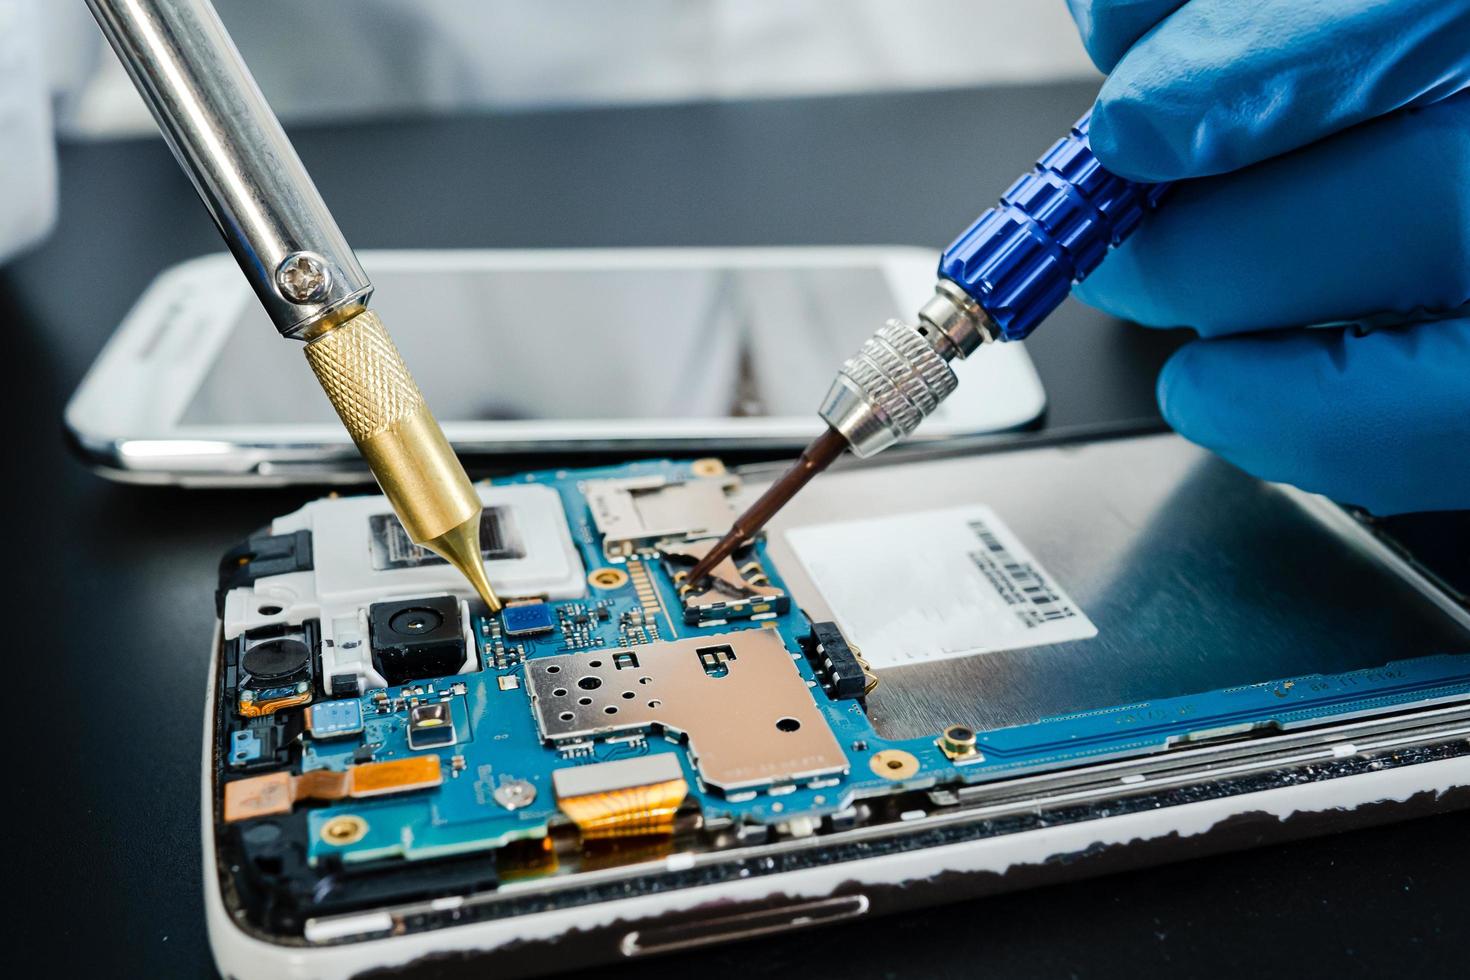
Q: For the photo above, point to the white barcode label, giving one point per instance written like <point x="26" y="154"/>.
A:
<point x="1023" y="586"/>
<point x="936" y="584"/>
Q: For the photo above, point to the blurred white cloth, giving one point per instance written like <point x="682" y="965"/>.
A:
<point x="27" y="157"/>
<point x="330" y="59"/>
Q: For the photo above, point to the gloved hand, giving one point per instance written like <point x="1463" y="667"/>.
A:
<point x="1330" y="140"/>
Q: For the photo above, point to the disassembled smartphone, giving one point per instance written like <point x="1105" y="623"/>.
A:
<point x="934" y="679"/>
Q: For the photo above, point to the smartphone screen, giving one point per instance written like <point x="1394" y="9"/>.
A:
<point x="647" y="343"/>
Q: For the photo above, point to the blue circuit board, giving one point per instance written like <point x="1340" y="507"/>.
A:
<point x="497" y="742"/>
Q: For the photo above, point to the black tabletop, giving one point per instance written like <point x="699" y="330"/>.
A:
<point x="108" y="634"/>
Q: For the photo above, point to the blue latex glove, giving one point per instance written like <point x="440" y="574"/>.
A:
<point x="1332" y="143"/>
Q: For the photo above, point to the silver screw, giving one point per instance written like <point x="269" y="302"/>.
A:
<point x="514" y="794"/>
<point x="303" y="277"/>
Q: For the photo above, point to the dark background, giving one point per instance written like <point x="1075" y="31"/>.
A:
<point x="107" y="634"/>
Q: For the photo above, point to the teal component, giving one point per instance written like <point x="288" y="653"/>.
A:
<point x="335" y="719"/>
<point x="497" y="739"/>
<point x="245" y="747"/>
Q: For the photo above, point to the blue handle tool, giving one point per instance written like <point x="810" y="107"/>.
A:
<point x="1051" y="228"/>
<point x="999" y="279"/>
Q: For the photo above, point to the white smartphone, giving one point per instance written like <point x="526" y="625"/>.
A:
<point x="934" y="678"/>
<point x="620" y="351"/>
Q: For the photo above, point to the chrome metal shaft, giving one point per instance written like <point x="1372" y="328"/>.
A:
<point x="228" y="141"/>
<point x="232" y="147"/>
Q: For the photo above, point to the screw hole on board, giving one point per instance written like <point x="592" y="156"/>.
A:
<point x="608" y="578"/>
<point x="344" y="829"/>
<point x="894" y="764"/>
<point x="787" y="725"/>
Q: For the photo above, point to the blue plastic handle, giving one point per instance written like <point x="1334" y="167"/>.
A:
<point x="1050" y="230"/>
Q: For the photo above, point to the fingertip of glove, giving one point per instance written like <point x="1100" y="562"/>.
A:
<point x="1196" y="395"/>
<point x="1174" y="392"/>
<point x="1124" y="286"/>
<point x="1110" y="27"/>
<point x="1204" y="396"/>
<point x="1372" y="419"/>
<point x="1135" y="141"/>
<point x="1095" y="292"/>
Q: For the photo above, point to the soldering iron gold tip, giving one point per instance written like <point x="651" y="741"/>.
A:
<point x="384" y="412"/>
<point x="460" y="546"/>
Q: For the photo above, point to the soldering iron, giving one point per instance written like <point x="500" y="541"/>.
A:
<point x="997" y="282"/>
<point x="231" y="146"/>
<point x="1004" y="275"/>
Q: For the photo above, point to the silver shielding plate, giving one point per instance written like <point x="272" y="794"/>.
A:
<point x="1196" y="576"/>
<point x="748" y="715"/>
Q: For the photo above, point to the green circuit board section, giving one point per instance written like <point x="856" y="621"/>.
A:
<point x="498" y="769"/>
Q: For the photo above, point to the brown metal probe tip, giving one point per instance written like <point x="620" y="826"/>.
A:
<point x="813" y="460"/>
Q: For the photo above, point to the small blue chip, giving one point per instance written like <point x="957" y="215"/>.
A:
<point x="245" y="747"/>
<point x="531" y="617"/>
<point x="333" y="719"/>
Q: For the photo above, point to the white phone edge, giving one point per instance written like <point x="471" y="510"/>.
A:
<point x="124" y="415"/>
<point x="239" y="954"/>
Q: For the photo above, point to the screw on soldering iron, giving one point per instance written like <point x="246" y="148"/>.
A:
<point x="303" y="277"/>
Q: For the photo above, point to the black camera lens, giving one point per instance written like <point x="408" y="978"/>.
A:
<point x="414" y="639"/>
<point x="415" y="621"/>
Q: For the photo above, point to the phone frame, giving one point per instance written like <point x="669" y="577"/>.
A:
<point x="1204" y="800"/>
<point x="124" y="416"/>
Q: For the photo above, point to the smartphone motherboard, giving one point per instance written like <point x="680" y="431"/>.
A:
<point x="380" y="740"/>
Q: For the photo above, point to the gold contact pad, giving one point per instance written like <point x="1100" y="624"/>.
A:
<point x="726" y="581"/>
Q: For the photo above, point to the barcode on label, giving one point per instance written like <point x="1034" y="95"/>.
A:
<point x="935" y="584"/>
<point x="1019" y="583"/>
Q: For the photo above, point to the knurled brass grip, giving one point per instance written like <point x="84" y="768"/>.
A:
<point x="364" y="376"/>
<point x="368" y="384"/>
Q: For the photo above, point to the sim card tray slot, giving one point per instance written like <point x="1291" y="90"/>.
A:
<point x="742" y="925"/>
